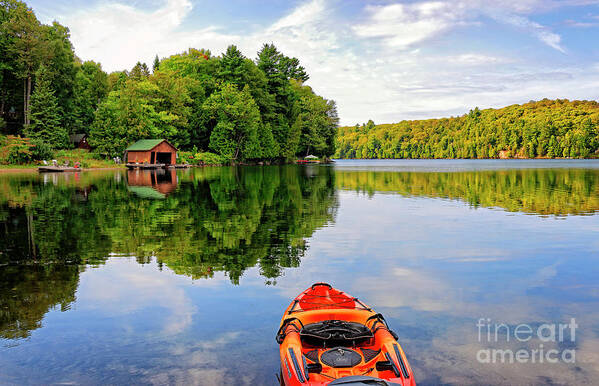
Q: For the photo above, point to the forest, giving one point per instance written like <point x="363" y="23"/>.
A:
<point x="239" y="108"/>
<point x="543" y="129"/>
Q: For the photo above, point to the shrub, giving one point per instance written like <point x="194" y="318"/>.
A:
<point x="62" y="154"/>
<point x="41" y="150"/>
<point x="185" y="157"/>
<point x="208" y="158"/>
<point x="202" y="158"/>
<point x="15" y="150"/>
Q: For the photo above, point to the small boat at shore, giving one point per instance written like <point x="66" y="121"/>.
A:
<point x="57" y="169"/>
<point x="328" y="337"/>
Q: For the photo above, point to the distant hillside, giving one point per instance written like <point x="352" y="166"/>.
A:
<point x="547" y="129"/>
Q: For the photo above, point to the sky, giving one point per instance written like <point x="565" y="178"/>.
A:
<point x="380" y="60"/>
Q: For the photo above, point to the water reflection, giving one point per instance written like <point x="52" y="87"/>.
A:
<point x="537" y="191"/>
<point x="218" y="219"/>
<point x="171" y="290"/>
<point x="152" y="183"/>
<point x="29" y="292"/>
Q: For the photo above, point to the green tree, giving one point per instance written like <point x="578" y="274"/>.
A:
<point x="91" y="87"/>
<point x="9" y="84"/>
<point x="157" y="107"/>
<point x="173" y="98"/>
<point x="156" y="64"/>
<point x="27" y="47"/>
<point x="62" y="68"/>
<point x="237" y="120"/>
<point x="139" y="72"/>
<point x="45" y="114"/>
<point x="547" y="128"/>
<point x="231" y="67"/>
<point x="317" y="121"/>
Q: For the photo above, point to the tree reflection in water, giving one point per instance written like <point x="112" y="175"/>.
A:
<point x="216" y="219"/>
<point x="206" y="220"/>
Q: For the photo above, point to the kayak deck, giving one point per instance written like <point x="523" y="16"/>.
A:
<point x="327" y="335"/>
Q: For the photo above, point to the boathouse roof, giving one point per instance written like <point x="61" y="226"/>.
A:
<point x="146" y="144"/>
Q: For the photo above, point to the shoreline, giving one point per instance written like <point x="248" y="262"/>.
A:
<point x="33" y="169"/>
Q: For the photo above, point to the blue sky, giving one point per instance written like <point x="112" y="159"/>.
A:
<point x="380" y="60"/>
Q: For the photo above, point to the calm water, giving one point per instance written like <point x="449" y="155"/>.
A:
<point x="114" y="277"/>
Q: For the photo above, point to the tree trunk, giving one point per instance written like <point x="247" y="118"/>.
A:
<point x="32" y="249"/>
<point x="27" y="120"/>
<point x="24" y="101"/>
<point x="2" y="100"/>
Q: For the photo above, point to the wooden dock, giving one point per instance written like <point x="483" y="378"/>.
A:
<point x="305" y="161"/>
<point x="57" y="169"/>
<point x="157" y="166"/>
<point x="145" y="166"/>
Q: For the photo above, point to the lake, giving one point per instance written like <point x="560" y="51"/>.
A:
<point x="130" y="277"/>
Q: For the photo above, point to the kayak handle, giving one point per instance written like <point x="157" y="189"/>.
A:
<point x="321" y="283"/>
<point x="281" y="333"/>
<point x="379" y="318"/>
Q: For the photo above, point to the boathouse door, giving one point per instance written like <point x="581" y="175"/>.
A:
<point x="153" y="157"/>
<point x="163" y="158"/>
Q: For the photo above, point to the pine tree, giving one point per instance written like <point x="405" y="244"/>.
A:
<point x="139" y="71"/>
<point x="45" y="113"/>
<point x="156" y="64"/>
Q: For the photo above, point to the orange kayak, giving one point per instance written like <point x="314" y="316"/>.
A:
<point x="328" y="337"/>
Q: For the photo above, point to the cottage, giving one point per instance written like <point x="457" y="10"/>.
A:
<point x="79" y="141"/>
<point x="151" y="151"/>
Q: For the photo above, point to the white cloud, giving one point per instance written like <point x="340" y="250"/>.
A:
<point x="304" y="14"/>
<point x="401" y="25"/>
<point x="401" y="78"/>
<point x="119" y="35"/>
<point x="108" y="287"/>
<point x="542" y="33"/>
<point x="475" y="59"/>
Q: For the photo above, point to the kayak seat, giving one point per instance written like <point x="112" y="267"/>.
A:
<point x="334" y="333"/>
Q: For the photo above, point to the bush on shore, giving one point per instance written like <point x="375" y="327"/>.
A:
<point x="202" y="158"/>
<point x="15" y="150"/>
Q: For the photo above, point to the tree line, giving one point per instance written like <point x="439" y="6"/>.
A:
<point x="236" y="107"/>
<point x="545" y="129"/>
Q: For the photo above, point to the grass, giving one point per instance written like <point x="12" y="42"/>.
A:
<point x="26" y="166"/>
<point x="85" y="158"/>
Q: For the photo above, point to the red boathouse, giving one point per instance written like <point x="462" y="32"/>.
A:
<point x="151" y="151"/>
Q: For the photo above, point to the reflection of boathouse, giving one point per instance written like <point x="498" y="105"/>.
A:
<point x="156" y="183"/>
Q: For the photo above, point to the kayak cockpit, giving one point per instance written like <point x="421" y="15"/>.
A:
<point x="333" y="333"/>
